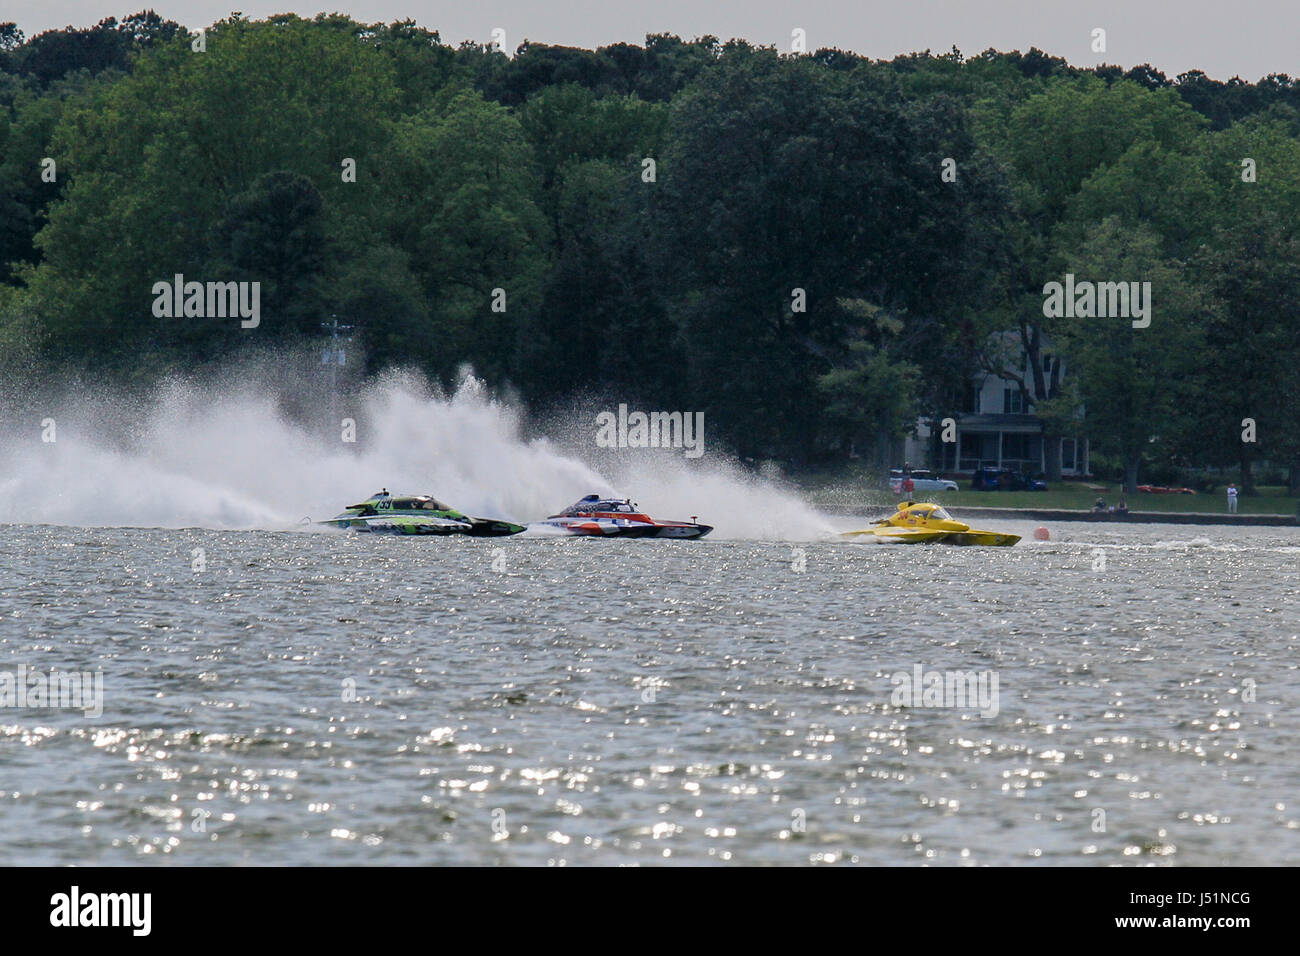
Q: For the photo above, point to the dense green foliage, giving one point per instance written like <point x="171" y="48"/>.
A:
<point x="813" y="250"/>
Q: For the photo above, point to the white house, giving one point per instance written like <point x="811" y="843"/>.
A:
<point x="998" y="428"/>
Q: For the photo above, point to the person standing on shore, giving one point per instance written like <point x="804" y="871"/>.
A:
<point x="1232" y="499"/>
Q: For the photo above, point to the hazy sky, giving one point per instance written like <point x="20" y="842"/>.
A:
<point x="1250" y="38"/>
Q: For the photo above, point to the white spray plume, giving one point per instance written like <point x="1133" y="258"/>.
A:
<point x="223" y="458"/>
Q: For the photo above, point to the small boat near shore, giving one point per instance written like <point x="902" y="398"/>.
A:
<point x="928" y="523"/>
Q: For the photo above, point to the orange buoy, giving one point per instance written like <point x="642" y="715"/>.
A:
<point x="1041" y="534"/>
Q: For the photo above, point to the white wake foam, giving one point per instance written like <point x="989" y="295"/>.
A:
<point x="228" y="458"/>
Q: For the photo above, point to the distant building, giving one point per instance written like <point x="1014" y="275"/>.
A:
<point x="998" y="428"/>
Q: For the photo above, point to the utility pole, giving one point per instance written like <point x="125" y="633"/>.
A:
<point x="334" y="357"/>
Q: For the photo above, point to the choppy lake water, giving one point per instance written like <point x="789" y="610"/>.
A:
<point x="349" y="699"/>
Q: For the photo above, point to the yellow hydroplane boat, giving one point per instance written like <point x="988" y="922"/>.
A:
<point x="927" y="523"/>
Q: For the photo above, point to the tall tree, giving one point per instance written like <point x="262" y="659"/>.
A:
<point x="785" y="189"/>
<point x="1132" y="379"/>
<point x="1250" y="262"/>
<point x="1055" y="142"/>
<point x="464" y="195"/>
<point x="156" y="157"/>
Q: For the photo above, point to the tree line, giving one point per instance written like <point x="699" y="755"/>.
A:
<point x="813" y="250"/>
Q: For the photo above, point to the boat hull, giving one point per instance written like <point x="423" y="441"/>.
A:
<point x="623" y="528"/>
<point x="985" y="539"/>
<point x="399" y="524"/>
<point x="419" y="525"/>
<point x="899" y="535"/>
<point x="491" y="528"/>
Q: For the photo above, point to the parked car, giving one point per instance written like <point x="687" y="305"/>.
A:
<point x="922" y="480"/>
<point x="1004" y="479"/>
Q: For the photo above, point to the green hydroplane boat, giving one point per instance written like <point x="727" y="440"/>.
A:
<point x="416" y="514"/>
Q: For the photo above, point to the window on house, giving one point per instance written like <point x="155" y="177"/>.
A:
<point x="1013" y="402"/>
